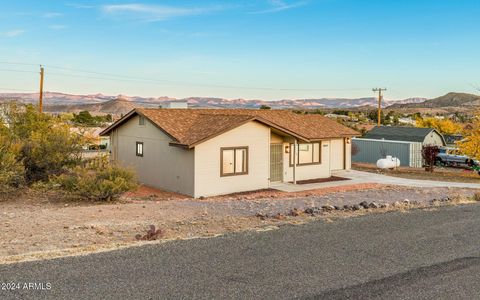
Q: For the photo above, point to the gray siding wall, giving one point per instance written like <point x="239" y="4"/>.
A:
<point x="162" y="166"/>
<point x="370" y="151"/>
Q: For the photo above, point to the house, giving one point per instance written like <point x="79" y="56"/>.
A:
<point x="175" y="104"/>
<point x="453" y="139"/>
<point x="206" y="152"/>
<point x="426" y="136"/>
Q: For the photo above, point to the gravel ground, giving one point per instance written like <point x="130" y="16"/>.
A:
<point x="422" y="254"/>
<point x="380" y="195"/>
<point x="36" y="226"/>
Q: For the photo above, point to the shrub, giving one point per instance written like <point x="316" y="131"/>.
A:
<point x="11" y="170"/>
<point x="43" y="144"/>
<point x="429" y="154"/>
<point x="97" y="180"/>
<point x="476" y="197"/>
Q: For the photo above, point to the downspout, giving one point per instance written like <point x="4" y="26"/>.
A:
<point x="295" y="161"/>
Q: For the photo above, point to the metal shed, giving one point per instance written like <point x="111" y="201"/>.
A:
<point x="371" y="150"/>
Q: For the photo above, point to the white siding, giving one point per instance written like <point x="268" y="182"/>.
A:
<point x="162" y="166"/>
<point x="433" y="138"/>
<point x="305" y="172"/>
<point x="336" y="154"/>
<point x="348" y="158"/>
<point x="208" y="181"/>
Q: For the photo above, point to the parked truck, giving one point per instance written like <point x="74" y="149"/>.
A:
<point x="451" y="157"/>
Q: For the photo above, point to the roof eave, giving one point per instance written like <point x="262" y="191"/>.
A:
<point x="123" y="119"/>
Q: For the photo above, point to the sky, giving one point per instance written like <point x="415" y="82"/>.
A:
<point x="252" y="49"/>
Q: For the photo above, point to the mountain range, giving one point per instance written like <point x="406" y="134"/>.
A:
<point x="99" y="103"/>
<point x="448" y="100"/>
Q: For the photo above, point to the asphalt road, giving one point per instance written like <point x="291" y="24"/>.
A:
<point x="414" y="255"/>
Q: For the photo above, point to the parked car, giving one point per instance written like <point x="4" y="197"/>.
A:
<point x="452" y="157"/>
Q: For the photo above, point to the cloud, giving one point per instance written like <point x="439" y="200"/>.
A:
<point x="50" y="15"/>
<point x="279" y="5"/>
<point x="57" y="27"/>
<point x="12" y="33"/>
<point x="80" y="6"/>
<point x="153" y="13"/>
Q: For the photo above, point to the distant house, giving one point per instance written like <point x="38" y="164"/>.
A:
<point x="426" y="136"/>
<point x="206" y="152"/>
<point x="452" y="139"/>
<point x="175" y="104"/>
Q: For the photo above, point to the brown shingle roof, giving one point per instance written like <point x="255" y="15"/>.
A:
<point x="189" y="127"/>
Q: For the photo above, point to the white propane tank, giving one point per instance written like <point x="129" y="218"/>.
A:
<point x="388" y="163"/>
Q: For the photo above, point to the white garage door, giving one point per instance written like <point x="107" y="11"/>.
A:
<point x="336" y="155"/>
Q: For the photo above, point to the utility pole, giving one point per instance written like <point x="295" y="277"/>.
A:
<point x="40" y="98"/>
<point x="380" y="97"/>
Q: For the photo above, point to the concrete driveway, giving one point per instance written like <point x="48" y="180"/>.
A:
<point x="357" y="177"/>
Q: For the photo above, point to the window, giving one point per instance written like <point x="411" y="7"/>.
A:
<point x="306" y="154"/>
<point x="141" y="120"/>
<point x="139" y="149"/>
<point x="233" y="161"/>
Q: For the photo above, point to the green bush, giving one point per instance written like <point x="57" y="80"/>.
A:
<point x="44" y="144"/>
<point x="11" y="170"/>
<point x="97" y="180"/>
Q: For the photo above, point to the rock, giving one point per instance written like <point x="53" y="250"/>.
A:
<point x="356" y="207"/>
<point x="364" y="204"/>
<point x="309" y="211"/>
<point x="294" y="213"/>
<point x="396" y="204"/>
<point x="385" y="205"/>
<point x="261" y="216"/>
<point x="373" y="205"/>
<point x="338" y="207"/>
<point x="279" y="216"/>
<point x="406" y="201"/>
<point x="327" y="208"/>
<point x="347" y="207"/>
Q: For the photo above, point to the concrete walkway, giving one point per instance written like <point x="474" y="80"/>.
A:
<point x="357" y="177"/>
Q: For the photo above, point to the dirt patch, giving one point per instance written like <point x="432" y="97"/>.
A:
<point x="35" y="226"/>
<point x="439" y="174"/>
<point x="272" y="193"/>
<point x="148" y="192"/>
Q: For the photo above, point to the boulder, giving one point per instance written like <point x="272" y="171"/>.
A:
<point x="364" y="204"/>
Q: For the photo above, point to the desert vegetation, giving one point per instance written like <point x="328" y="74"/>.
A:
<point x="40" y="150"/>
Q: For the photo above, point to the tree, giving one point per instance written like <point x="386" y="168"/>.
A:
<point x="373" y="115"/>
<point x="84" y="118"/>
<point x="263" y="106"/>
<point x="445" y="126"/>
<point x="45" y="145"/>
<point x="470" y="145"/>
<point x="429" y="154"/>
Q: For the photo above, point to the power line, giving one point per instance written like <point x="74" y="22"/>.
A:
<point x="116" y="77"/>
<point x="20" y="71"/>
<point x="12" y="89"/>
<point x="17" y="63"/>
<point x="180" y="83"/>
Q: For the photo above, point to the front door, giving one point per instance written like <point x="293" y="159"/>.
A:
<point x="276" y="162"/>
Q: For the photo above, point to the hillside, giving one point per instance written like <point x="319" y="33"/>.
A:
<point x="114" y="107"/>
<point x="448" y="100"/>
<point x="99" y="103"/>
